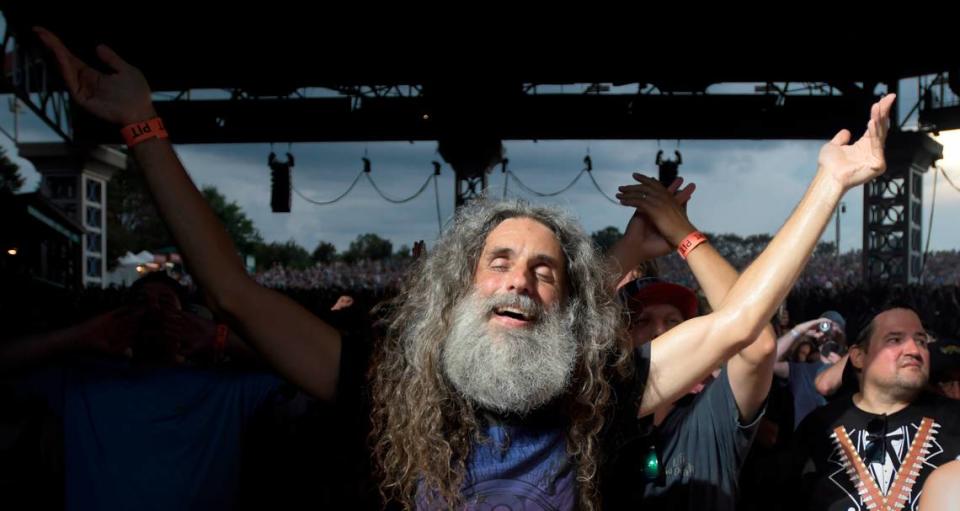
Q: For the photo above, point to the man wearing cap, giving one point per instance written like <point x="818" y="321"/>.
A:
<point x="876" y="448"/>
<point x="701" y="440"/>
<point x="811" y="382"/>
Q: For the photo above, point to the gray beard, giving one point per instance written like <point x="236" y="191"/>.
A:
<point x="509" y="370"/>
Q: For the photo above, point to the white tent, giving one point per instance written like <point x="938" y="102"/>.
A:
<point x="126" y="272"/>
<point x="131" y="259"/>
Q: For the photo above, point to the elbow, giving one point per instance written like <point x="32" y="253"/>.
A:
<point x="736" y="329"/>
<point x="766" y="343"/>
<point x="824" y="388"/>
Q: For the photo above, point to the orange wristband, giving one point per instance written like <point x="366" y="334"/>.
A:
<point x="692" y="241"/>
<point x="137" y="132"/>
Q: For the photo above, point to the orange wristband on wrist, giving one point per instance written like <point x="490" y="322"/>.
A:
<point x="692" y="241"/>
<point x="138" y="132"/>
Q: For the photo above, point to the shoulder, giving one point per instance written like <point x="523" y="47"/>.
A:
<point x="832" y="414"/>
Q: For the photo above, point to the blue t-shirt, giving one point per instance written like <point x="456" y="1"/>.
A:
<point x="523" y="463"/>
<point x="519" y="464"/>
<point x="150" y="438"/>
<point x="802" y="384"/>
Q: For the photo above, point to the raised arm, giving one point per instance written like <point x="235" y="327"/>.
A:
<point x="750" y="371"/>
<point x="688" y="352"/>
<point x="295" y="342"/>
<point x="787" y="341"/>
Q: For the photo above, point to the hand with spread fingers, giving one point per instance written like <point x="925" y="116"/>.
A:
<point x="854" y="164"/>
<point x="121" y="97"/>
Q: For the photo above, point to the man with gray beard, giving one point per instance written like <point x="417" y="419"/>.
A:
<point x="509" y="370"/>
<point x="436" y="444"/>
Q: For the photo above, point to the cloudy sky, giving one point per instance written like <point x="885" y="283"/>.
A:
<point x="743" y="187"/>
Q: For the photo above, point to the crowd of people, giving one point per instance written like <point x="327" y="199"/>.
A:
<point x="826" y="269"/>
<point x="363" y="275"/>
<point x="507" y="370"/>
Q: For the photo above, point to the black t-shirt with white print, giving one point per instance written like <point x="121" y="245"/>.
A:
<point x="832" y="478"/>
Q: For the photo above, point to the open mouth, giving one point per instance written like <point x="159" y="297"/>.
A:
<point x="513" y="313"/>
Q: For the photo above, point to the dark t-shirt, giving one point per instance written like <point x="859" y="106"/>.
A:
<point x="523" y="463"/>
<point x="703" y="446"/>
<point x="882" y="442"/>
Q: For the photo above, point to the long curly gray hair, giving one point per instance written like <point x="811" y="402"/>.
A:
<point x="422" y="428"/>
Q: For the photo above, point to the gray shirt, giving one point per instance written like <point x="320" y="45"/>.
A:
<point x="702" y="446"/>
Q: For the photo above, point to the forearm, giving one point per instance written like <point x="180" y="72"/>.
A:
<point x="830" y="380"/>
<point x="211" y="255"/>
<point x="618" y="259"/>
<point x="716" y="277"/>
<point x="764" y="285"/>
<point x="786" y="341"/>
<point x="624" y="256"/>
<point x="714" y="274"/>
<point x="750" y="371"/>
